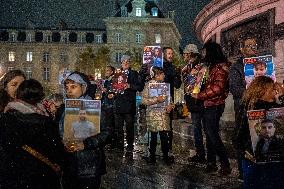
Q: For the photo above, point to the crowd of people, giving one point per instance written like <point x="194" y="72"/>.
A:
<point x="32" y="125"/>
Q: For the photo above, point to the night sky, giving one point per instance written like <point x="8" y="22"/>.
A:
<point x="81" y="14"/>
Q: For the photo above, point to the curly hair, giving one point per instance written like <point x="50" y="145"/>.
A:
<point x="256" y="91"/>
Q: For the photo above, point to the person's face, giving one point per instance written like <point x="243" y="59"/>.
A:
<point x="186" y="57"/>
<point x="160" y="77"/>
<point x="108" y="72"/>
<point x="260" y="70"/>
<point x="125" y="64"/>
<point x="267" y="130"/>
<point x="169" y="55"/>
<point x="13" y="85"/>
<point x="120" y="79"/>
<point x="82" y="116"/>
<point x="74" y="90"/>
<point x="156" y="52"/>
<point x="270" y="93"/>
<point x="250" y="48"/>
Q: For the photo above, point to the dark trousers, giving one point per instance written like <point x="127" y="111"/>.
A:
<point x="110" y="123"/>
<point x="170" y="133"/>
<point x="119" y="132"/>
<point x="82" y="183"/>
<point x="197" y="121"/>
<point x="237" y="103"/>
<point x="214" y="143"/>
<point x="164" y="143"/>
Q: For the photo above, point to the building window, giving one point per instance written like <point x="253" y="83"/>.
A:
<point x="10" y="69"/>
<point x="46" y="74"/>
<point x="123" y="11"/>
<point x="13" y="37"/>
<point x="118" y="56"/>
<point x="154" y="11"/>
<point x="12" y="55"/>
<point x="63" y="57"/>
<point x="48" y="38"/>
<point x="28" y="72"/>
<point x="29" y="56"/>
<point x="29" y="38"/>
<point x="45" y="57"/>
<point x="138" y="12"/>
<point x="158" y="38"/>
<point x="118" y="38"/>
<point x="98" y="39"/>
<point x="138" y="37"/>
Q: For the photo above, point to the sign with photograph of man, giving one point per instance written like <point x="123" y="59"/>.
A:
<point x="160" y="89"/>
<point x="267" y="132"/>
<point x="259" y="66"/>
<point x="82" y="119"/>
<point x="153" y="56"/>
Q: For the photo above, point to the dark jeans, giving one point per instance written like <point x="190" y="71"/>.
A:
<point x="237" y="103"/>
<point x="214" y="143"/>
<point x="170" y="133"/>
<point x="119" y="132"/>
<point x="164" y="142"/>
<point x="197" y="121"/>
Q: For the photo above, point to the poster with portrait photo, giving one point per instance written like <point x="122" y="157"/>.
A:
<point x="160" y="89"/>
<point x="153" y="56"/>
<point x="257" y="66"/>
<point x="267" y="131"/>
<point x="119" y="81"/>
<point x="82" y="119"/>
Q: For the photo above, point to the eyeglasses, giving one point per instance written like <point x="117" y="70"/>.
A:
<point x="252" y="46"/>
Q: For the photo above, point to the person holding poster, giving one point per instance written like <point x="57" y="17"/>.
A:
<point x="86" y="161"/>
<point x="157" y="117"/>
<point x="213" y="95"/>
<point x="125" y="106"/>
<point x="260" y="95"/>
<point x="237" y="83"/>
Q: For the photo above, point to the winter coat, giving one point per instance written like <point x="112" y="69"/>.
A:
<point x="237" y="83"/>
<point x="216" y="87"/>
<point x="156" y="119"/>
<point x="126" y="103"/>
<point x="20" y="169"/>
<point x="171" y="76"/>
<point x="89" y="162"/>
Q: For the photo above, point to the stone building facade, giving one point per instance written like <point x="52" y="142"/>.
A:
<point x="42" y="51"/>
<point x="227" y="21"/>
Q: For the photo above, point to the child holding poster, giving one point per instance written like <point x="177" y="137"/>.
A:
<point x="158" y="114"/>
<point x="86" y="161"/>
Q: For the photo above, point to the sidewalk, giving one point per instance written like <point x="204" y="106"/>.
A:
<point x="129" y="170"/>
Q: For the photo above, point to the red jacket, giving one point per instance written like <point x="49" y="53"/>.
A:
<point x="217" y="85"/>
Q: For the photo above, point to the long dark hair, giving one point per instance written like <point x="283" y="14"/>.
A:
<point x="214" y="53"/>
<point x="9" y="76"/>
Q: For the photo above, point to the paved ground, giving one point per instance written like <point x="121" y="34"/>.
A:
<point x="129" y="170"/>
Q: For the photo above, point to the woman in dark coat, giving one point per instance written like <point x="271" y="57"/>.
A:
<point x="30" y="145"/>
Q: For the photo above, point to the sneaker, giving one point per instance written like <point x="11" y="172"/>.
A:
<point x="225" y="170"/>
<point x="210" y="168"/>
<point x="197" y="159"/>
<point x="169" y="160"/>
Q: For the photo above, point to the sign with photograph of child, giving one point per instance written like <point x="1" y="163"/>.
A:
<point x="258" y="66"/>
<point x="82" y="119"/>
<point x="160" y="89"/>
<point x="153" y="56"/>
<point x="267" y="132"/>
<point x="119" y="82"/>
